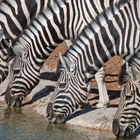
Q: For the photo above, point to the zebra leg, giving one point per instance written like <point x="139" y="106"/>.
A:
<point x="103" y="95"/>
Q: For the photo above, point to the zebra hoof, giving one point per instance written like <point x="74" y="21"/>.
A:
<point x="101" y="105"/>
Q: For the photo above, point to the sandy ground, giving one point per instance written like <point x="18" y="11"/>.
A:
<point x="90" y="117"/>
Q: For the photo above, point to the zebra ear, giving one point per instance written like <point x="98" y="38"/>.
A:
<point x="62" y="61"/>
<point x="17" y="50"/>
<point x="124" y="74"/>
<point x="22" y="52"/>
<point x="11" y="54"/>
<point x="67" y="64"/>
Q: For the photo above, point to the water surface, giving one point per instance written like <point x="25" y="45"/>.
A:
<point x="20" y="124"/>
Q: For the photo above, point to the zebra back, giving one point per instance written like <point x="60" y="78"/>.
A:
<point x="15" y="15"/>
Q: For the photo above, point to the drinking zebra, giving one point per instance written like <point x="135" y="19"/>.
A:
<point x="62" y="20"/>
<point x="100" y="79"/>
<point x="15" y="15"/>
<point x="21" y="14"/>
<point x="126" y="122"/>
<point x="114" y="32"/>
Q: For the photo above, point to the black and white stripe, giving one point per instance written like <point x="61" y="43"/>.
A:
<point x="6" y="54"/>
<point x="62" y="20"/>
<point x="126" y="121"/>
<point x="114" y="32"/>
<point x="15" y="15"/>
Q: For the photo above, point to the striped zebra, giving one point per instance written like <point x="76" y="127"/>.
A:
<point x="114" y="32"/>
<point x="62" y="20"/>
<point x="15" y="15"/>
<point x="100" y="79"/>
<point x="126" y="122"/>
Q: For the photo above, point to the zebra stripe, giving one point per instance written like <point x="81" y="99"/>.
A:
<point x="51" y="27"/>
<point x="6" y="54"/>
<point x="126" y="121"/>
<point x="100" y="79"/>
<point x="91" y="50"/>
<point x="15" y="15"/>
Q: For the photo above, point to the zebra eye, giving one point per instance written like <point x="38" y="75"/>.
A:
<point x="62" y="85"/>
<point x="72" y="68"/>
<point x="24" y="55"/>
<point x="128" y="95"/>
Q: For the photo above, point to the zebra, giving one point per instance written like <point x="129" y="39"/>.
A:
<point x="13" y="25"/>
<point x="62" y="20"/>
<point x="15" y="15"/>
<point x="100" y="79"/>
<point x="126" y="121"/>
<point x="53" y="30"/>
<point x="114" y="32"/>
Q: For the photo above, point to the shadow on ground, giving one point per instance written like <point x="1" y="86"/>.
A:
<point x="42" y="93"/>
<point x="51" y="76"/>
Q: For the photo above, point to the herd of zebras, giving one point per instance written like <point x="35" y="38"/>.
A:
<point x="97" y="29"/>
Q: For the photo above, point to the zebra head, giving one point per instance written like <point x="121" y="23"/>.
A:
<point x="20" y="82"/>
<point x="70" y="93"/>
<point x="126" y="122"/>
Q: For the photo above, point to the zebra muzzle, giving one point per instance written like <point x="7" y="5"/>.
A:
<point x="115" y="127"/>
<point x="121" y="131"/>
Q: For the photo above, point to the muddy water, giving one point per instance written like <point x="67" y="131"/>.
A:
<point x="24" y="124"/>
